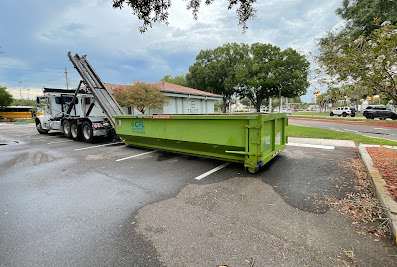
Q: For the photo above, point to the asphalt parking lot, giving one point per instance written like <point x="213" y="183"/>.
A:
<point x="67" y="203"/>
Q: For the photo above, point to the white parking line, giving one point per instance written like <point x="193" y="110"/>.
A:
<point x="212" y="171"/>
<point x="97" y="146"/>
<point x="310" y="145"/>
<point x="60" y="142"/>
<point x="134" y="156"/>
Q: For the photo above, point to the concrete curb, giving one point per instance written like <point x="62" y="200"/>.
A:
<point x="380" y="190"/>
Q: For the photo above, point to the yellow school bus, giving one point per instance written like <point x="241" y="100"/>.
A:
<point x="17" y="112"/>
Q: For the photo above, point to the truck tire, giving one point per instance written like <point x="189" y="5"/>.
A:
<point x="344" y="114"/>
<point x="370" y="116"/>
<point x="86" y="130"/>
<point x="66" y="128"/>
<point x="331" y="114"/>
<point x="394" y="117"/>
<point x="75" y="132"/>
<point x="40" y="128"/>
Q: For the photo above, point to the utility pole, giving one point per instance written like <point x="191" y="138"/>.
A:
<point x="20" y="92"/>
<point x="67" y="81"/>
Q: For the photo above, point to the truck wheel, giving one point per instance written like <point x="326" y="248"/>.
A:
<point x="394" y="117"/>
<point x="370" y="116"/>
<point x="344" y="114"/>
<point x="66" y="129"/>
<point x="40" y="128"/>
<point x="87" y="132"/>
<point x="75" y="131"/>
<point x="331" y="114"/>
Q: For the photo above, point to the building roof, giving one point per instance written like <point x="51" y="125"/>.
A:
<point x="166" y="87"/>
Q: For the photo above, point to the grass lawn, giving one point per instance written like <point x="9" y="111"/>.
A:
<point x="309" y="132"/>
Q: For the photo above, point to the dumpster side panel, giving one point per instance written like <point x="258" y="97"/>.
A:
<point x="219" y="132"/>
<point x="252" y="139"/>
<point x="208" y="138"/>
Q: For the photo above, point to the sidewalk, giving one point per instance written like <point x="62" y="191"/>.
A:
<point x="378" y="182"/>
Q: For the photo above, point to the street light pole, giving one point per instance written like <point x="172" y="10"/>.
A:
<point x="28" y="93"/>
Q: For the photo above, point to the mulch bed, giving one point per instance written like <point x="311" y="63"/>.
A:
<point x="388" y="124"/>
<point x="385" y="160"/>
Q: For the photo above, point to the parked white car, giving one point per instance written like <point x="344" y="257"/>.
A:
<point x="343" y="111"/>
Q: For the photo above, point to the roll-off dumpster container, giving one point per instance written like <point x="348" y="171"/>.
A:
<point x="252" y="139"/>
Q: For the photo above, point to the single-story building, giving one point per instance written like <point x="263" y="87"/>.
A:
<point x="181" y="100"/>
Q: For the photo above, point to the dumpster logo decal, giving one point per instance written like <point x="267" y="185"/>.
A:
<point x="278" y="138"/>
<point x="267" y="146"/>
<point x="137" y="127"/>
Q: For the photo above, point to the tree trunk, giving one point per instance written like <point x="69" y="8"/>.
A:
<point x="258" y="103"/>
<point x="224" y="104"/>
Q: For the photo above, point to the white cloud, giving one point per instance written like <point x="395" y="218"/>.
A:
<point x="120" y="53"/>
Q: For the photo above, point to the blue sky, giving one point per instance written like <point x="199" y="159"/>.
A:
<point x="35" y="36"/>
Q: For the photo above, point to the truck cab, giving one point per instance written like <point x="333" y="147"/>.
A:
<point x="55" y="104"/>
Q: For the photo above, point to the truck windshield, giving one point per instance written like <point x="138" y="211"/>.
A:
<point x="64" y="100"/>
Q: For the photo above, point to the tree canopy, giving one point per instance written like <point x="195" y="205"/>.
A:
<point x="5" y="97"/>
<point x="365" y="16"/>
<point x="179" y="80"/>
<point x="369" y="62"/>
<point x="268" y="72"/>
<point x="362" y="54"/>
<point x="151" y="11"/>
<point x="140" y="95"/>
<point x="215" y="70"/>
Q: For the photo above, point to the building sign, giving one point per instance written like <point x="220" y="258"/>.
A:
<point x="192" y="109"/>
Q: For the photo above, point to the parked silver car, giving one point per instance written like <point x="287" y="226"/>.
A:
<point x="379" y="111"/>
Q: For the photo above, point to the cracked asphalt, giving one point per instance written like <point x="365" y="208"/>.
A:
<point x="61" y="206"/>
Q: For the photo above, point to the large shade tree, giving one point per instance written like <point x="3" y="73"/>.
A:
<point x="215" y="70"/>
<point x="269" y="72"/>
<point x="151" y="11"/>
<point x="367" y="61"/>
<point x="362" y="53"/>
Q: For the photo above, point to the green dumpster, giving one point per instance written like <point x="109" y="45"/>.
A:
<point x="252" y="139"/>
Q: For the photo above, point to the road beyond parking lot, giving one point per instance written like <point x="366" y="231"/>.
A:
<point x="62" y="205"/>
